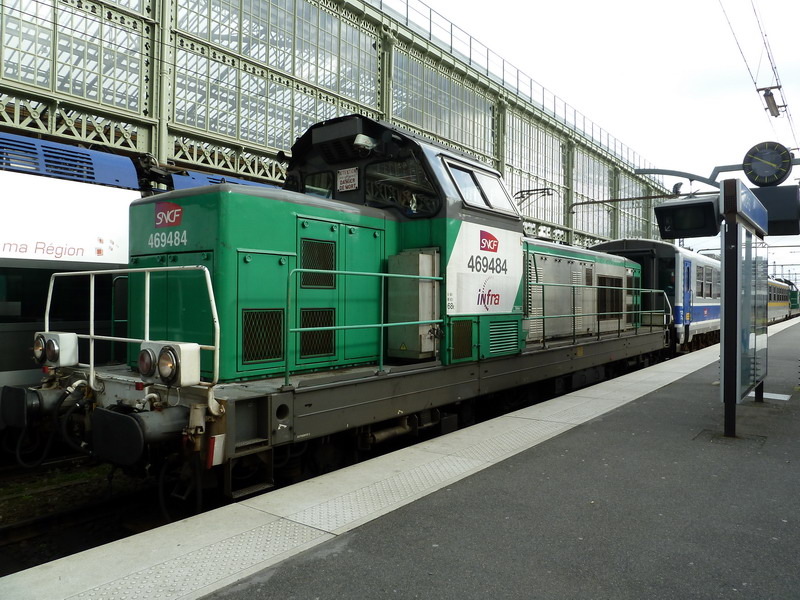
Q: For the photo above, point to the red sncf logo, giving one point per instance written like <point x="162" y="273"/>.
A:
<point x="489" y="243"/>
<point x="168" y="214"/>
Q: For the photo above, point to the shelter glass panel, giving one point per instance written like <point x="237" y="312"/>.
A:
<point x="134" y="5"/>
<point x="592" y="182"/>
<point x="27" y="41"/>
<point x="254" y="109"/>
<point x="78" y="57"/>
<point x="632" y="215"/>
<point x="534" y="161"/>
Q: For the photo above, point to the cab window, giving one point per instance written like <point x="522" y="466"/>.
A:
<point x="482" y="190"/>
<point x="319" y="184"/>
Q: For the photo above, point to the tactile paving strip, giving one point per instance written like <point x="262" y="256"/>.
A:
<point x="183" y="575"/>
<point x="361" y="503"/>
<point x="513" y="441"/>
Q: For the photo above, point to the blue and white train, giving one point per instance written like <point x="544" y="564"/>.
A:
<point x="690" y="280"/>
<point x="692" y="283"/>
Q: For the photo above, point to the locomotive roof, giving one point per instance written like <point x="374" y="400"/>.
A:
<point x="334" y="140"/>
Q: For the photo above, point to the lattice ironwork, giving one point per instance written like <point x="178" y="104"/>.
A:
<point x="317" y="343"/>
<point x="71" y="123"/>
<point x="246" y="79"/>
<point x="262" y="335"/>
<point x="191" y="151"/>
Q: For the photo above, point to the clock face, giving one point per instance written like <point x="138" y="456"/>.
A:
<point x="767" y="163"/>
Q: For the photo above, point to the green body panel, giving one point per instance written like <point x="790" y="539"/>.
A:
<point x="250" y="279"/>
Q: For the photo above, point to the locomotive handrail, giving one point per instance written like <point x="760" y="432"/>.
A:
<point x="381" y="326"/>
<point x="146" y="271"/>
<point x="667" y="312"/>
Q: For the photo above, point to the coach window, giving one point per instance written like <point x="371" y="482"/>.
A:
<point x="698" y="288"/>
<point x="709" y="279"/>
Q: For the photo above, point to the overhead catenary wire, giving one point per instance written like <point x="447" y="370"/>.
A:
<point x="773" y="67"/>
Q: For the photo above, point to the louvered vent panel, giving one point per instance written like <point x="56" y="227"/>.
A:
<point x="262" y="335"/>
<point x="73" y="164"/>
<point x="503" y="337"/>
<point x="317" y="343"/>
<point x="535" y="290"/>
<point x="18" y="155"/>
<point x="462" y="339"/>
<point x="537" y="324"/>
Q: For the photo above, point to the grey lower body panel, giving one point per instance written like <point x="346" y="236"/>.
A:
<point x="328" y="409"/>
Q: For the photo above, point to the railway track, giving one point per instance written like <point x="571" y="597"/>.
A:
<point x="67" y="505"/>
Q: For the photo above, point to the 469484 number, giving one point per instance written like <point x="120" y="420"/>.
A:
<point x="162" y="239"/>
<point x="484" y="264"/>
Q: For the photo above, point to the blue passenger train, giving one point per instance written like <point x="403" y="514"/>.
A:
<point x="692" y="284"/>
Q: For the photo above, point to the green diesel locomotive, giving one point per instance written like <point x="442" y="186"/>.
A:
<point x="383" y="291"/>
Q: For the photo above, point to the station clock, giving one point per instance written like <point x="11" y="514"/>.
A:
<point x="767" y="163"/>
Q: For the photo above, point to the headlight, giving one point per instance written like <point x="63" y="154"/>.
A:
<point x="147" y="362"/>
<point x="176" y="364"/>
<point x="51" y="350"/>
<point x="38" y="347"/>
<point x="168" y="365"/>
<point x="56" y="348"/>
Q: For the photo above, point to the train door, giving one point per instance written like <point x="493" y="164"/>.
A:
<point x="363" y="253"/>
<point x="317" y="294"/>
<point x="687" y="297"/>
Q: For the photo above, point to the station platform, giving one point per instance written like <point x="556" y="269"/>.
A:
<point x="624" y="490"/>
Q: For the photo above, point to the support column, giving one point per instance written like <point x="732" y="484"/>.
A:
<point x="163" y="90"/>
<point x="385" y="104"/>
<point x="568" y="164"/>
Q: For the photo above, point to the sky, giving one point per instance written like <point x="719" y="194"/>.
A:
<point x="668" y="79"/>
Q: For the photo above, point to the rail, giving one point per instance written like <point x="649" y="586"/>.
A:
<point x="147" y="271"/>
<point x="381" y="326"/>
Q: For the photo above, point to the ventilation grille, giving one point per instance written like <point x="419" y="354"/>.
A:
<point x="462" y="339"/>
<point x="503" y="337"/>
<point x="46" y="159"/>
<point x="68" y="163"/>
<point x="537" y="324"/>
<point x="535" y="291"/>
<point x="18" y="155"/>
<point x="317" y="255"/>
<point x="262" y="335"/>
<point x="317" y="343"/>
<point x="41" y="157"/>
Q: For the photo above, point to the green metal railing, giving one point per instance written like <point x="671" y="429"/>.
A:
<point x="288" y="330"/>
<point x="665" y="313"/>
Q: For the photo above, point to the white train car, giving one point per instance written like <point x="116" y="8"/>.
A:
<point x="691" y="282"/>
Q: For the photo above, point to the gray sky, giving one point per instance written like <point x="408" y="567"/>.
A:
<point x="665" y="78"/>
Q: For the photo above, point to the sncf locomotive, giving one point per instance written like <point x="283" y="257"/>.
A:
<point x="385" y="290"/>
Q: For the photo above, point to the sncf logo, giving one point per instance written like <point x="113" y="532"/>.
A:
<point x="489" y="243"/>
<point x="168" y="214"/>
